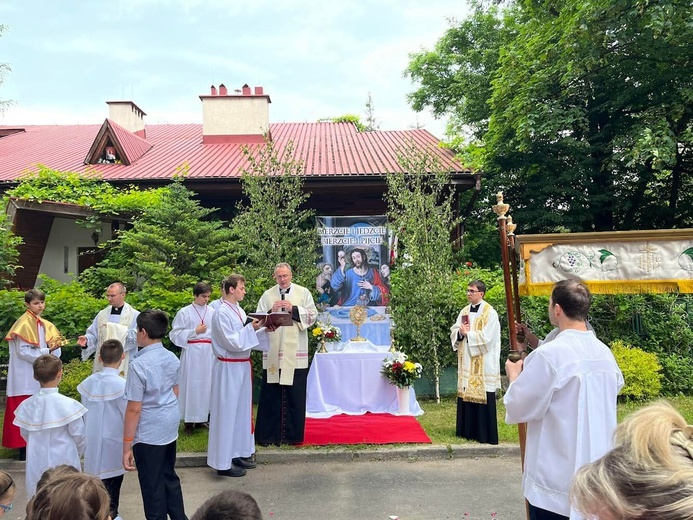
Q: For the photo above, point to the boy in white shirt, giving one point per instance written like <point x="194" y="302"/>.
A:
<point x="51" y="424"/>
<point x="103" y="395"/>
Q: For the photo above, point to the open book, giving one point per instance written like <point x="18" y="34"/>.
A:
<point x="273" y="319"/>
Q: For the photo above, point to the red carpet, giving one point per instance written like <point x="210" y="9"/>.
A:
<point x="378" y="428"/>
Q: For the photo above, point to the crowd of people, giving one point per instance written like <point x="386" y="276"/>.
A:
<point x="578" y="463"/>
<point x="132" y="403"/>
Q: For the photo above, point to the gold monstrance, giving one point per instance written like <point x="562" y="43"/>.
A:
<point x="358" y="316"/>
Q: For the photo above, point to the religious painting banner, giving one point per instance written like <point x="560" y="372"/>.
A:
<point x="608" y="262"/>
<point x="354" y="268"/>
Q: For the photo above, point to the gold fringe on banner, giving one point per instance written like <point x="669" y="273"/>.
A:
<point x="614" y="287"/>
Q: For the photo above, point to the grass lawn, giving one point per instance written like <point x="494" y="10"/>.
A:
<point x="438" y="421"/>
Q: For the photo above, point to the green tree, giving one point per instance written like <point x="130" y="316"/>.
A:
<point x="580" y="111"/>
<point x="9" y="254"/>
<point x="421" y="209"/>
<point x="272" y="225"/>
<point x="371" y="123"/>
<point x="172" y="245"/>
<point x="4" y="69"/>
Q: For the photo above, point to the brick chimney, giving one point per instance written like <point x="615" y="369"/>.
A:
<point x="128" y="115"/>
<point x="240" y="117"/>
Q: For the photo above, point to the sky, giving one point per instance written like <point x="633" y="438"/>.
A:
<point x="315" y="58"/>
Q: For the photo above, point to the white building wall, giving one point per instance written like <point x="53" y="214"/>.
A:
<point x="60" y="257"/>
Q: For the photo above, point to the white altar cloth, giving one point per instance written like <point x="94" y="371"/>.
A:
<point x="351" y="383"/>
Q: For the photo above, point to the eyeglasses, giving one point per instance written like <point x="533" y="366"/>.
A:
<point x="472" y="291"/>
<point x="6" y="508"/>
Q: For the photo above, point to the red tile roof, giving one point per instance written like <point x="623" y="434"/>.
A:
<point x="327" y="149"/>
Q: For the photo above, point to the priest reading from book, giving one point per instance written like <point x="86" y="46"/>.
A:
<point x="281" y="414"/>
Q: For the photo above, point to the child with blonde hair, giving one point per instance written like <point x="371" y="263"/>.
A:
<point x="648" y="475"/>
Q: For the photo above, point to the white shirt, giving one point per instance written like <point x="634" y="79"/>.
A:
<point x="566" y="394"/>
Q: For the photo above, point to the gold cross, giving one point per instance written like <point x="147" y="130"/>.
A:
<point x="272" y="370"/>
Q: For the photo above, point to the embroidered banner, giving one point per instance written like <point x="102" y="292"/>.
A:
<point x="609" y="262"/>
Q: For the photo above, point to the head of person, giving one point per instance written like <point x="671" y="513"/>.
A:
<point x="115" y="294"/>
<point x="229" y="505"/>
<point x="233" y="287"/>
<point x="56" y="471"/>
<point x="77" y="496"/>
<point x="47" y="369"/>
<point x="152" y="326"/>
<point x="7" y="489"/>
<point x="385" y="271"/>
<point x="202" y="291"/>
<point x="476" y="291"/>
<point x="648" y="475"/>
<point x="111" y="352"/>
<point x="359" y="258"/>
<point x="570" y="300"/>
<point x="35" y="301"/>
<point x="327" y="269"/>
<point x="283" y="275"/>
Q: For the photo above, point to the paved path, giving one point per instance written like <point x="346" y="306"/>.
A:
<point x="412" y="484"/>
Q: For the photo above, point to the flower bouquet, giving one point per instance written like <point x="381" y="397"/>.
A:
<point x="399" y="371"/>
<point x="326" y="333"/>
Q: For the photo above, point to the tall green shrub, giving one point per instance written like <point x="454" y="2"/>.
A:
<point x="172" y="245"/>
<point x="420" y="208"/>
<point x="272" y="225"/>
<point x="9" y="254"/>
<point x="641" y="371"/>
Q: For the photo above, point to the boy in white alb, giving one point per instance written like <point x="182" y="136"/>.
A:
<point x="191" y="332"/>
<point x="30" y="336"/>
<point x="103" y="395"/>
<point x="231" y="440"/>
<point x="52" y="424"/>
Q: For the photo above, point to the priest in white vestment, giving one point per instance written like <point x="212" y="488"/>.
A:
<point x="231" y="443"/>
<point x="476" y="337"/>
<point x="117" y="321"/>
<point x="192" y="333"/>
<point x="566" y="392"/>
<point x="281" y="413"/>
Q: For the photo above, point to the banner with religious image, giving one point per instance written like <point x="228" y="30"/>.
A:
<point x="354" y="268"/>
<point x="608" y="262"/>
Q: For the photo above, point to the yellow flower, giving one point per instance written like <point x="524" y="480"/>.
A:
<point x="409" y="367"/>
<point x="317" y="331"/>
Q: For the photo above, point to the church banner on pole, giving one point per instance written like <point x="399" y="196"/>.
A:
<point x="608" y="262"/>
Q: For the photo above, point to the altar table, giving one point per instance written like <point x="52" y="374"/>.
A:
<point x="351" y="383"/>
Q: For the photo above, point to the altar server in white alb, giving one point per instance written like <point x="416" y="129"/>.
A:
<point x="52" y="424"/>
<point x="191" y="332"/>
<point x="476" y="338"/>
<point x="231" y="438"/>
<point x="103" y="396"/>
<point x="566" y="392"/>
<point x="30" y="337"/>
<point x="117" y="321"/>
